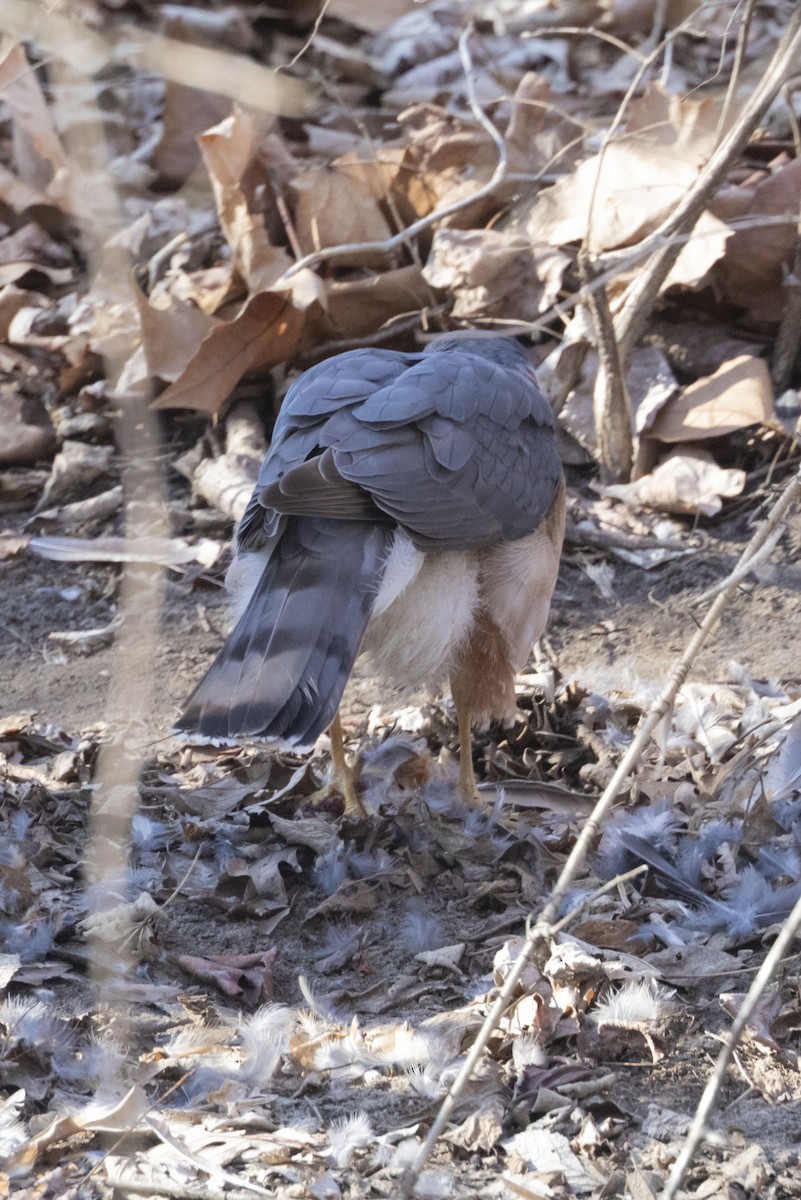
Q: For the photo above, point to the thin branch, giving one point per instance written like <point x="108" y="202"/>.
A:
<point x="542" y="930"/>
<point x="611" y="403"/>
<point x="744" y="570"/>
<point x="315" y="30"/>
<point x="785" y="350"/>
<point x="407" y="235"/>
<point x="739" y="57"/>
<point x="709" y="1098"/>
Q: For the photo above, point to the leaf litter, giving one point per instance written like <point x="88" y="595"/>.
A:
<point x="306" y="988"/>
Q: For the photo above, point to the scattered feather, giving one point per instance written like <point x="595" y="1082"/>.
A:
<point x="419" y="929"/>
<point x="640" y="1003"/>
<point x="348" y="1135"/>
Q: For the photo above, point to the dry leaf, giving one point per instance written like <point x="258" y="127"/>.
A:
<point x="248" y="977"/>
<point x="689" y="481"/>
<point x="752" y="271"/>
<point x="340" y="203"/>
<point x="265" y="332"/>
<point x="705" y="245"/>
<point x="739" y="394"/>
<point x="171" y="334"/>
<point x="446" y="158"/>
<point x="622" y="194"/>
<point x="228" y="153"/>
<point x="495" y="273"/>
<point x="38" y="156"/>
<point x="357" y="307"/>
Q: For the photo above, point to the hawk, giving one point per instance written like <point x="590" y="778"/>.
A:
<point x="411" y="507"/>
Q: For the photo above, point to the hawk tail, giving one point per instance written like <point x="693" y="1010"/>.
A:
<point x="283" y="670"/>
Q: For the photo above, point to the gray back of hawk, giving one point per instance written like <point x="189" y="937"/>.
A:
<point x="398" y="492"/>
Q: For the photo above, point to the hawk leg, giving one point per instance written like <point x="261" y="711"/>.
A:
<point x="467" y="778"/>
<point x="342" y="775"/>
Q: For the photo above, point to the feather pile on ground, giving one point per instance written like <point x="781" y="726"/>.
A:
<point x="406" y="923"/>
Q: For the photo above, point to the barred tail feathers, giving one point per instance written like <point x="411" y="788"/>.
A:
<point x="283" y="670"/>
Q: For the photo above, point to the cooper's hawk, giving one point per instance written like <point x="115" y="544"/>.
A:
<point x="410" y="506"/>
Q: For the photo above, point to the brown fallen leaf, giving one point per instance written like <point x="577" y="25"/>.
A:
<point x="339" y="203"/>
<point x="264" y="333"/>
<point x="38" y="155"/>
<point x="353" y="896"/>
<point x="357" y="307"/>
<point x="495" y="273"/>
<point x="31" y="249"/>
<point x="620" y="196"/>
<point x="753" y="269"/>
<point x="171" y="334"/>
<point x="238" y="178"/>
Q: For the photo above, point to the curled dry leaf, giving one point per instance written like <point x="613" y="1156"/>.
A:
<point x="230" y="154"/>
<point x="686" y="482"/>
<point x="495" y="273"/>
<point x="248" y="977"/>
<point x="38" y="156"/>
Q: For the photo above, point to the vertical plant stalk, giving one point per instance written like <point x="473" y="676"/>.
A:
<point x="115" y="797"/>
<point x="611" y="403"/>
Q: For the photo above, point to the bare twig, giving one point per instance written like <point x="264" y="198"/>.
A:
<point x="736" y="71"/>
<point x="641" y="295"/>
<point x="542" y="929"/>
<point x="611" y="404"/>
<point x="309" y="39"/>
<point x="407" y="235"/>
<point x="711" y="1091"/>
<point x="742" y="571"/>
